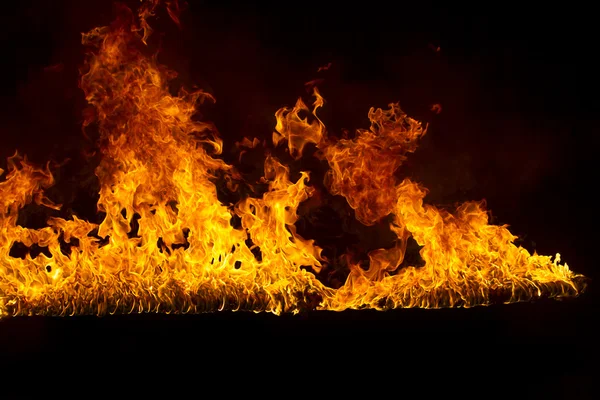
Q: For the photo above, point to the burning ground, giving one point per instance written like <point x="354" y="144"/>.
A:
<point x="181" y="230"/>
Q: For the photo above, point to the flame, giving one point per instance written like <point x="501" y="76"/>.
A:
<point x="167" y="243"/>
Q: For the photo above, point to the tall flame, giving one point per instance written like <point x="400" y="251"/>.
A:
<point x="167" y="244"/>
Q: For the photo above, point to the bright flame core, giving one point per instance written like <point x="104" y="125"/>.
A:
<point x="158" y="167"/>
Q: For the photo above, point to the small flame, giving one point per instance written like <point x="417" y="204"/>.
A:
<point x="158" y="169"/>
<point x="324" y="67"/>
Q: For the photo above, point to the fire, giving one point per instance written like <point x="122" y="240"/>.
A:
<point x="167" y="244"/>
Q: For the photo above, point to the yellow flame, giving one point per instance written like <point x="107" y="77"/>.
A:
<point x="158" y="167"/>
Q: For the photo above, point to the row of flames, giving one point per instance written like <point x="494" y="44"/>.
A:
<point x="159" y="163"/>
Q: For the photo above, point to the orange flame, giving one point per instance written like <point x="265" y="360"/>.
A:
<point x="158" y="168"/>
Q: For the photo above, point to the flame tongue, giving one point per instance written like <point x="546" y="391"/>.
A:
<point x="362" y="170"/>
<point x="167" y="243"/>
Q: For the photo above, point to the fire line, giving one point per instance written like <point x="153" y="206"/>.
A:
<point x="158" y="168"/>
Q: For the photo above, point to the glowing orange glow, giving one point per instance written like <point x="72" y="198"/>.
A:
<point x="158" y="168"/>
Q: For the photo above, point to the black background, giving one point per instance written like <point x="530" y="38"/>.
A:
<point x="517" y="128"/>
